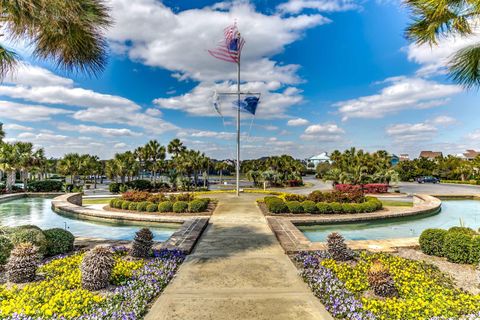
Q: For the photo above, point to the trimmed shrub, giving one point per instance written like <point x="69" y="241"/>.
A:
<point x="180" y="206"/>
<point x="316" y="196"/>
<point x="165" y="206"/>
<point x="142" y="243"/>
<point x="132" y="206"/>
<point x="6" y="247"/>
<point x="119" y="204"/>
<point x="152" y="207"/>
<point x="475" y="250"/>
<point x="112" y="203"/>
<point x="114" y="187"/>
<point x="457" y="246"/>
<point x="96" y="268"/>
<point x="336" y="207"/>
<point x="22" y="264"/>
<point x="58" y="241"/>
<point x="348" y="208"/>
<point x="309" y="206"/>
<point x="34" y="236"/>
<point x="337" y="247"/>
<point x="45" y="186"/>
<point x="463" y="230"/>
<point x="125" y="205"/>
<point x="294" y="206"/>
<point x="324" y="207"/>
<point x="197" y="205"/>
<point x="135" y="196"/>
<point x="432" y="241"/>
<point x="277" y="206"/>
<point x="295" y="197"/>
<point x="268" y="199"/>
<point x="142" y="206"/>
<point x="140" y="185"/>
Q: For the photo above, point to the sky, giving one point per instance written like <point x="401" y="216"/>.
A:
<point x="332" y="74"/>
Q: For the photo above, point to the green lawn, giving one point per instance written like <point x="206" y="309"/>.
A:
<point x="393" y="203"/>
<point x="96" y="201"/>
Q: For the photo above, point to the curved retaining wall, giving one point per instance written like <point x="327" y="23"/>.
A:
<point x="183" y="239"/>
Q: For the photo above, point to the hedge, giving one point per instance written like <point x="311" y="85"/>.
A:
<point x="142" y="206"/>
<point x="294" y="207"/>
<point x="277" y="205"/>
<point x="6" y="247"/>
<point x="30" y="234"/>
<point x="431" y="241"/>
<point x="475" y="250"/>
<point x="45" y="186"/>
<point x="152" y="207"/>
<point x="132" y="206"/>
<point x="165" y="206"/>
<point x="59" y="241"/>
<point x="180" y="206"/>
<point x="197" y="205"/>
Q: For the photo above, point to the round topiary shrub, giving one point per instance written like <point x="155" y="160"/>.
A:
<point x="309" y="206"/>
<point x="35" y="236"/>
<point x="277" y="206"/>
<point x="152" y="207"/>
<point x="142" y="206"/>
<point x="294" y="207"/>
<point x="142" y="243"/>
<point x="6" y="247"/>
<point x="324" y="208"/>
<point x="348" y="208"/>
<point x="165" y="206"/>
<point x="132" y="206"/>
<point x="119" y="203"/>
<point x="369" y="206"/>
<point x="22" y="264"/>
<point x="125" y="205"/>
<point x="336" y="207"/>
<point x="456" y="246"/>
<point x="463" y="230"/>
<point x="431" y="241"/>
<point x="475" y="250"/>
<point x="59" y="241"/>
<point x="96" y="268"/>
<point x="112" y="203"/>
<point x="180" y="206"/>
<point x="197" y="205"/>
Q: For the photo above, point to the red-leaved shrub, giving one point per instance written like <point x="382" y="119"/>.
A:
<point x="135" y="196"/>
<point x="367" y="188"/>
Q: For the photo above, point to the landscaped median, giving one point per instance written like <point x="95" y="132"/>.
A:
<point x="141" y="201"/>
<point x="318" y="202"/>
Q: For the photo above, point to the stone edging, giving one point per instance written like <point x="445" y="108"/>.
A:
<point x="183" y="239"/>
<point x="293" y="240"/>
<point x="19" y="195"/>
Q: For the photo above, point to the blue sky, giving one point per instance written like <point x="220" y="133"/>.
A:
<point x="332" y="73"/>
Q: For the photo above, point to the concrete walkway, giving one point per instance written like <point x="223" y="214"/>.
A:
<point x="237" y="271"/>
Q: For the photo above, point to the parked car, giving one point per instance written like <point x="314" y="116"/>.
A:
<point x="428" y="179"/>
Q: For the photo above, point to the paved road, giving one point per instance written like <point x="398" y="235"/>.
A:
<point x="438" y="189"/>
<point x="237" y="271"/>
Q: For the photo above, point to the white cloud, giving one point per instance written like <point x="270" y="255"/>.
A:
<point x="120" y="145"/>
<point x="443" y="120"/>
<point x="104" y="132"/>
<point x="25" y="112"/>
<point x="29" y="75"/>
<point x="327" y="132"/>
<point x="410" y="132"/>
<point x="297" y="6"/>
<point x="434" y="59"/>
<point x="400" y="94"/>
<point x="16" y="127"/>
<point x="199" y="101"/>
<point x="297" y="122"/>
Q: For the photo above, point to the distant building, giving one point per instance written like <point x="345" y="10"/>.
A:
<point x="471" y="154"/>
<point x="394" y="160"/>
<point x="319" y="158"/>
<point x="404" y="157"/>
<point x="431" y="155"/>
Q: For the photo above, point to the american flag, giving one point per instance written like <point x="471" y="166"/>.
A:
<point x="230" y="47"/>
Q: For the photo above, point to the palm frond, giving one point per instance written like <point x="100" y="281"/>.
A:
<point x="8" y="61"/>
<point x="465" y="66"/>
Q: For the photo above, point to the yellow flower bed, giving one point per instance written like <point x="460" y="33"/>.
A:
<point x="60" y="293"/>
<point x="424" y="292"/>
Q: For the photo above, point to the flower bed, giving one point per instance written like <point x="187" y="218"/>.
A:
<point x="366" y="188"/>
<point x="319" y="202"/>
<point x="423" y="291"/>
<point x="149" y="202"/>
<point x="59" y="296"/>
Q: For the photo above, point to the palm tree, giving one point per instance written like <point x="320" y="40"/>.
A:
<point x="9" y="163"/>
<point x="433" y="20"/>
<point x="67" y="32"/>
<point x="70" y="165"/>
<point x="220" y="167"/>
<point x="156" y="155"/>
<point x="175" y="147"/>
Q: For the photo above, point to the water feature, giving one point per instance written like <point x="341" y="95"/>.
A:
<point x="453" y="213"/>
<point x="37" y="211"/>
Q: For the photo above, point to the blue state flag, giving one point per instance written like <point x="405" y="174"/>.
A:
<point x="249" y="104"/>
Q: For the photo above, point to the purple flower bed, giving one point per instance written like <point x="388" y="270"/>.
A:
<point x="130" y="301"/>
<point x="340" y="302"/>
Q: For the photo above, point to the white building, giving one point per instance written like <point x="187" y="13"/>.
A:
<point x="319" y="158"/>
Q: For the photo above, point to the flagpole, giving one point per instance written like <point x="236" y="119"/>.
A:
<point x="238" y="125"/>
